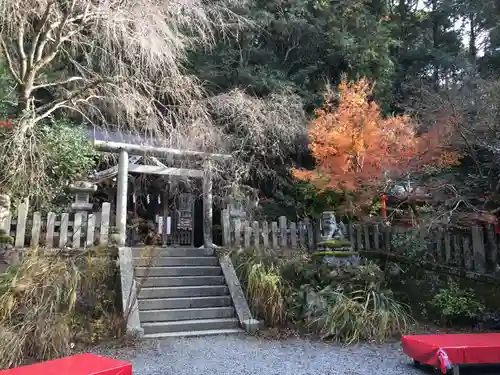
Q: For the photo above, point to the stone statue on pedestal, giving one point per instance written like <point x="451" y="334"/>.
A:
<point x="331" y="230"/>
<point x="333" y="247"/>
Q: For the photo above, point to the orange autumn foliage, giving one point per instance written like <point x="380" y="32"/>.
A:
<point x="355" y="147"/>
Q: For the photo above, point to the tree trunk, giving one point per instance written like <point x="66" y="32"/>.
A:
<point x="435" y="44"/>
<point x="472" y="39"/>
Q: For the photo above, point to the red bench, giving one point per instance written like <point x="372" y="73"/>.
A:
<point x="81" y="364"/>
<point x="449" y="351"/>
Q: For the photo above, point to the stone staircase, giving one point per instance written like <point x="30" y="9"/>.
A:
<point x="182" y="293"/>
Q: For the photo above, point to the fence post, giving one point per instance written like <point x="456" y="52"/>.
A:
<point x="457" y="253"/>
<point x="366" y="232"/>
<point x="35" y="229"/>
<point x="467" y="253"/>
<point x="105" y="222"/>
<point x="77" y="229"/>
<point x="248" y="234"/>
<point x="376" y="237"/>
<point x="447" y="248"/>
<point x="492" y="246"/>
<point x="274" y="233"/>
<point x="226" y="229"/>
<point x="256" y="234"/>
<point x="293" y="235"/>
<point x="63" y="230"/>
<point x="89" y="241"/>
<point x="265" y="234"/>
<point x="478" y="250"/>
<point x="352" y="235"/>
<point x="359" y="242"/>
<point x="387" y="238"/>
<point x="283" y="230"/>
<point x="22" y="215"/>
<point x="310" y="234"/>
<point x="51" y="222"/>
<point x="302" y="235"/>
<point x="237" y="232"/>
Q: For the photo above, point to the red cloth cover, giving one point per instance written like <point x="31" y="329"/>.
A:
<point x="444" y="351"/>
<point x="81" y="364"/>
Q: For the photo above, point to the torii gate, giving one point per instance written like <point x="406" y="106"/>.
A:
<point x="125" y="166"/>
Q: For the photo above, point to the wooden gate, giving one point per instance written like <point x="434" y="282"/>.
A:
<point x="180" y="221"/>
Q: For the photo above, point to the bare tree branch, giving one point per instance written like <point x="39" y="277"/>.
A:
<point x="59" y="83"/>
<point x="23" y="63"/>
<point x="9" y="62"/>
<point x="40" y="36"/>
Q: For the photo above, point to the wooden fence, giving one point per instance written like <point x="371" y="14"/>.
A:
<point x="52" y="230"/>
<point x="473" y="249"/>
<point x="281" y="233"/>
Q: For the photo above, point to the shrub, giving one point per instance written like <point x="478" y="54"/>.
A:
<point x="347" y="304"/>
<point x="351" y="304"/>
<point x="410" y="243"/>
<point x="47" y="302"/>
<point x="455" y="305"/>
<point x="5" y="239"/>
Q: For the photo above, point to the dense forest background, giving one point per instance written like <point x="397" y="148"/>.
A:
<point x="433" y="59"/>
<point x="245" y="77"/>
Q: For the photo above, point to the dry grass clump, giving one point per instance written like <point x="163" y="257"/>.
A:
<point x="264" y="286"/>
<point x="266" y="291"/>
<point x="48" y="301"/>
<point x="362" y="315"/>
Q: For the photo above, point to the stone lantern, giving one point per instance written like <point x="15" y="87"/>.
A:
<point x="82" y="190"/>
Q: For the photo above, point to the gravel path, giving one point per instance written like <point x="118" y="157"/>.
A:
<point x="242" y="355"/>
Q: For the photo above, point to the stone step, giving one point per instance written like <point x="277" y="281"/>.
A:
<point x="177" y="261"/>
<point x="138" y="252"/>
<point x="184" y="291"/>
<point x="209" y="332"/>
<point x="186" y="314"/>
<point x="190" y="325"/>
<point x="183" y="303"/>
<point x="178" y="271"/>
<point x="181" y="281"/>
